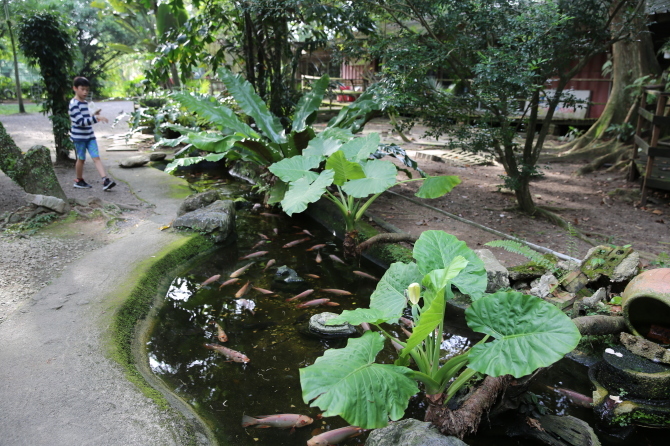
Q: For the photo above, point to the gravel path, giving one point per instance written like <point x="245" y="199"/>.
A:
<point x="29" y="264"/>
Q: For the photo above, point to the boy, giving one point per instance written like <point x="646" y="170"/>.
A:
<point x="82" y="134"/>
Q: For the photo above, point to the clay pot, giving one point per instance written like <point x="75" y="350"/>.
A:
<point x="646" y="305"/>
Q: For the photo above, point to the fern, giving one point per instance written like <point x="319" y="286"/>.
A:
<point x="518" y="248"/>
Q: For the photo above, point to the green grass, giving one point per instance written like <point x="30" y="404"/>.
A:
<point x="10" y="109"/>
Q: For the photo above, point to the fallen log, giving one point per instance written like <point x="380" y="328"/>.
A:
<point x="599" y="325"/>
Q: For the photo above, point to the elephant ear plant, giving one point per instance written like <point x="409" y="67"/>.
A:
<point x="336" y="166"/>
<point x="522" y="334"/>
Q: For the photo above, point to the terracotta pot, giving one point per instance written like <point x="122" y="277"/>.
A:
<point x="646" y="305"/>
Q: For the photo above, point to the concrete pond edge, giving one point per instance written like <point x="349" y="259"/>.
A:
<point x="132" y="323"/>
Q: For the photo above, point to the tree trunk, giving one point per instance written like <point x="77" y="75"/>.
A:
<point x="22" y="109"/>
<point x="630" y="61"/>
<point x="523" y="197"/>
<point x="33" y="171"/>
<point x="465" y="420"/>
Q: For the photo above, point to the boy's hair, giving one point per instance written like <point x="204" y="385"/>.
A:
<point x="81" y="81"/>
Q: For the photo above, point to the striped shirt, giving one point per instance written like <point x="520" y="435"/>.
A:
<point x="82" y="121"/>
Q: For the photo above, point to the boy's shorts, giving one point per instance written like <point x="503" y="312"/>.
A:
<point x="80" y="148"/>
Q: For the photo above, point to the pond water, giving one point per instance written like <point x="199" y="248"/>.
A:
<point x="269" y="383"/>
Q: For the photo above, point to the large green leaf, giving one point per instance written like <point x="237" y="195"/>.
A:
<point x="435" y="187"/>
<point x="347" y="382"/>
<point x="322" y="146"/>
<point x="309" y="103"/>
<point x="292" y="169"/>
<point x="211" y="142"/>
<point x="253" y="105"/>
<point x="388" y="299"/>
<point x="437" y="249"/>
<point x="379" y="176"/>
<point x="218" y="115"/>
<point x="344" y="170"/>
<point x="359" y="149"/>
<point x="530" y="333"/>
<point x="304" y="191"/>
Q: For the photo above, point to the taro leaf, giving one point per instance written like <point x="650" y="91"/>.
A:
<point x="292" y="169"/>
<point x="211" y="142"/>
<point x="253" y="105"/>
<point x="215" y="114"/>
<point x="344" y="170"/>
<point x="183" y="162"/>
<point x="388" y="299"/>
<point x="277" y="192"/>
<point x="322" y="146"/>
<point x="347" y="382"/>
<point x="343" y="135"/>
<point x="309" y="103"/>
<point x="530" y="333"/>
<point x="379" y="176"/>
<point x="437" y="249"/>
<point x="439" y="278"/>
<point x="435" y="187"/>
<point x="304" y="191"/>
<point x="189" y="161"/>
<point x="359" y="149"/>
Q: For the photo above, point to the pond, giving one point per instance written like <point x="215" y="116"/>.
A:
<point x="270" y="337"/>
<point x="270" y="332"/>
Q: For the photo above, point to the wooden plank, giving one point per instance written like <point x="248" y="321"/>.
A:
<point x="646" y="114"/>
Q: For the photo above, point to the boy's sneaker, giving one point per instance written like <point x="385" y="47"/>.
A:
<point x="81" y="184"/>
<point x="108" y="184"/>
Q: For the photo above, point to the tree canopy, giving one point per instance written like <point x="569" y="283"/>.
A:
<point x="496" y="57"/>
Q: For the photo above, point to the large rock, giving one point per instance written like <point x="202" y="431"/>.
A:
<point x="198" y="201"/>
<point x="497" y="275"/>
<point x="52" y="203"/>
<point x="216" y="220"/>
<point x="410" y="432"/>
<point x="135" y="161"/>
<point x="318" y="326"/>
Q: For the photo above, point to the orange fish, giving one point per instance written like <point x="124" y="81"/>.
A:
<point x="269" y="264"/>
<point x="228" y="282"/>
<point x="221" y="335"/>
<point x="214" y="278"/>
<point x="241" y="271"/>
<point x="244" y="290"/>
<point x="262" y="290"/>
<point x="313" y="276"/>
<point x="335" y="436"/>
<point x="229" y="353"/>
<point x="334" y="291"/>
<point x="317" y="302"/>
<point x="295" y="242"/>
<point x="318" y="257"/>
<point x="366" y="275"/>
<point x="254" y="254"/>
<point x="282" y="421"/>
<point x="300" y="296"/>
<point x="315" y="247"/>
<point x="336" y="259"/>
